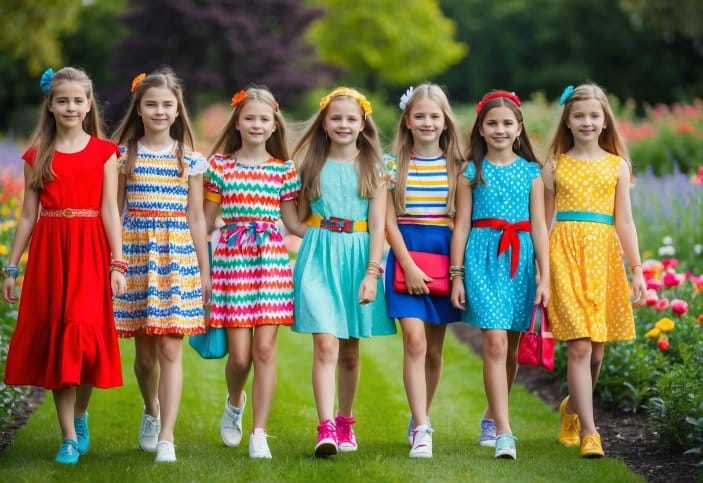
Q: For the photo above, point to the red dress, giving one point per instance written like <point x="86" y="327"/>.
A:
<point x="65" y="332"/>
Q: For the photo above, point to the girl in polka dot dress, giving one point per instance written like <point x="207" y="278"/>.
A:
<point x="587" y="180"/>
<point x="500" y="210"/>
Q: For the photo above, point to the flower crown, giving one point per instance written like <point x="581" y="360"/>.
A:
<point x="345" y="91"/>
<point x="45" y="80"/>
<point x="137" y="81"/>
<point x="511" y="96"/>
<point x="405" y="98"/>
<point x="566" y="94"/>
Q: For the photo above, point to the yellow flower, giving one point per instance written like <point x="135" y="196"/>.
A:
<point x="665" y="324"/>
<point x="4" y="250"/>
<point x="346" y="91"/>
<point x="653" y="334"/>
<point x="24" y="257"/>
<point x="5" y="211"/>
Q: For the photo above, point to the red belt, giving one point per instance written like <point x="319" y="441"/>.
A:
<point x="509" y="238"/>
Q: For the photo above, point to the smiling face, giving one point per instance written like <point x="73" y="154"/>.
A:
<point x="256" y="122"/>
<point x="344" y="120"/>
<point x="500" y="128"/>
<point x="425" y="121"/>
<point x="158" y="109"/>
<point x="586" y="120"/>
<point x="69" y="104"/>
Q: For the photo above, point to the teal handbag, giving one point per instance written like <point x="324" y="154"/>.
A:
<point x="213" y="343"/>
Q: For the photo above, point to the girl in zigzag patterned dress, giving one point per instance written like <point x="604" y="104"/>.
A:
<point x="165" y="244"/>
<point x="252" y="187"/>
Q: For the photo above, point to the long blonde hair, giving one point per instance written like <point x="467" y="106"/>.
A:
<point x="44" y="135"/>
<point x="312" y="149"/>
<point x="609" y="139"/>
<point x="230" y="139"/>
<point x="449" y="142"/>
<point x="131" y="128"/>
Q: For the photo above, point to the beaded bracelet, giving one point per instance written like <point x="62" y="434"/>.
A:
<point x="374" y="269"/>
<point x="456" y="272"/>
<point x="376" y="265"/>
<point x="10" y="271"/>
<point x="119" y="266"/>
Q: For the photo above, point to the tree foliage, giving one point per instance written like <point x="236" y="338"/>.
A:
<point x="396" y="42"/>
<point x="682" y="16"/>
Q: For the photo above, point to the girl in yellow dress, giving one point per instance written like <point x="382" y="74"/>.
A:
<point x="587" y="180"/>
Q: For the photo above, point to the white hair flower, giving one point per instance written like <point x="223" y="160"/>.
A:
<point x="405" y="98"/>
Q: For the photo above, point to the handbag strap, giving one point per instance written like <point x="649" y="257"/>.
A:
<point x="533" y="318"/>
<point x="544" y="322"/>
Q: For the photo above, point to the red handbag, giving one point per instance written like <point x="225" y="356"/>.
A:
<point x="537" y="348"/>
<point x="434" y="265"/>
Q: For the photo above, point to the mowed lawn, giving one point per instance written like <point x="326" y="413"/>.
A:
<point x="381" y="412"/>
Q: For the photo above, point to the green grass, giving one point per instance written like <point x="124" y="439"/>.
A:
<point x="381" y="411"/>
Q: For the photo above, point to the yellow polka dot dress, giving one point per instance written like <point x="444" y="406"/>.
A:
<point x="590" y="291"/>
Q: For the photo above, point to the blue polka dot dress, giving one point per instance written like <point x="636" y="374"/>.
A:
<point x="495" y="300"/>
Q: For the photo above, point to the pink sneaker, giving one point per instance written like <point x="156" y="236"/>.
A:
<point x="326" y="439"/>
<point x="345" y="434"/>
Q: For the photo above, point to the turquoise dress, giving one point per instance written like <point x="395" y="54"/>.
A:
<point x="496" y="300"/>
<point x="330" y="266"/>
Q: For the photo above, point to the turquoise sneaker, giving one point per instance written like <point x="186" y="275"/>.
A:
<point x="505" y="446"/>
<point x="68" y="452"/>
<point x="488" y="433"/>
<point x="83" y="433"/>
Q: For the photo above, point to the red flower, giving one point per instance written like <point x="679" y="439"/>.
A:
<point x="238" y="97"/>
<point x="679" y="306"/>
<point x="652" y="297"/>
<point x="700" y="319"/>
<point x="654" y="284"/>
<point x="670" y="263"/>
<point x="662" y="304"/>
<point x="671" y="279"/>
<point x="663" y="343"/>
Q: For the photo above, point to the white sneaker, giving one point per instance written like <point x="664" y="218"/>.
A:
<point x="149" y="432"/>
<point x="231" y="425"/>
<point x="422" y="442"/>
<point x="258" y="446"/>
<point x="165" y="452"/>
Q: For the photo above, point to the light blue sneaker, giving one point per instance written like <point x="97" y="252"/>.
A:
<point x="68" y="452"/>
<point x="411" y="429"/>
<point x="487" y="438"/>
<point x="83" y="433"/>
<point x="505" y="446"/>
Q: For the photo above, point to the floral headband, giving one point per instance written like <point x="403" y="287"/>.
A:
<point x="511" y="96"/>
<point x="405" y="98"/>
<point x="345" y="91"/>
<point x="566" y="94"/>
<point x="45" y="80"/>
<point x="136" y="82"/>
<point x="241" y="95"/>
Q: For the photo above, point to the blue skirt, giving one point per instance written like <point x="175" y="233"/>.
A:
<point x="428" y="308"/>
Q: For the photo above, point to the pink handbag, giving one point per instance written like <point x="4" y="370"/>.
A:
<point x="537" y="348"/>
<point x="433" y="264"/>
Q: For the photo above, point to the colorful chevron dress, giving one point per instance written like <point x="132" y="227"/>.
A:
<point x="252" y="283"/>
<point x="164" y="293"/>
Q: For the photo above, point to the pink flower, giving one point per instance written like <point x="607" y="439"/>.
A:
<point x="662" y="304"/>
<point x="679" y="306"/>
<point x="654" y="284"/>
<point x="670" y="263"/>
<point x="672" y="279"/>
<point x="652" y="297"/>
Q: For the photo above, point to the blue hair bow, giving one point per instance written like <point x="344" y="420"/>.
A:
<point x="45" y="81"/>
<point x="565" y="95"/>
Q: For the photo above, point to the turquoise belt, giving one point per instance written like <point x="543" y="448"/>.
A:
<point x="585" y="216"/>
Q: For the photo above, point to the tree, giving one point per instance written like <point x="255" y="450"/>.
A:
<point x="683" y="16"/>
<point x="386" y="40"/>
<point x="217" y="46"/>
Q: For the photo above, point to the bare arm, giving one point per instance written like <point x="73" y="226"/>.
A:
<point x="289" y="216"/>
<point x="23" y="232"/>
<point x="540" y="239"/>
<point x="210" y="210"/>
<point x="198" y="231"/>
<point x="121" y="193"/>
<point x="376" y="225"/>
<point x="303" y="207"/>
<point x="627" y="233"/>
<point x="548" y="182"/>
<point x="111" y="221"/>
<point x="460" y="235"/>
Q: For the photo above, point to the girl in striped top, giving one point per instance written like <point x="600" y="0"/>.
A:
<point x="253" y="185"/>
<point x="164" y="243"/>
<point x="422" y="180"/>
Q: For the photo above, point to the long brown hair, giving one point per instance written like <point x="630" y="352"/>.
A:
<point x="449" y="142"/>
<point x="44" y="135"/>
<point x="131" y="128"/>
<point x="311" y="151"/>
<point x="477" y="144"/>
<point x="230" y="139"/>
<point x="609" y="139"/>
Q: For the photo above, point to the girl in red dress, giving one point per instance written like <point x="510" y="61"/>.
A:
<point x="65" y="338"/>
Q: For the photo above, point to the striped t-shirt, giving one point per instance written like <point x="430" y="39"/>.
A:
<point x="426" y="190"/>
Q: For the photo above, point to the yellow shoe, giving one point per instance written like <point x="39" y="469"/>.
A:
<point x="591" y="446"/>
<point x="570" y="426"/>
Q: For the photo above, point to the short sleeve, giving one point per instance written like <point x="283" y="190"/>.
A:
<point x="533" y="169"/>
<point x="291" y="182"/>
<point x="29" y="155"/>
<point x="197" y="164"/>
<point x="108" y="149"/>
<point x="213" y="179"/>
<point x="391" y="165"/>
<point x="470" y="171"/>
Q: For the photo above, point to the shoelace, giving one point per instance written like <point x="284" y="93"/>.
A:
<point x="327" y="429"/>
<point x="81" y="427"/>
<point x="420" y="436"/>
<point x="572" y="423"/>
<point x="344" y="428"/>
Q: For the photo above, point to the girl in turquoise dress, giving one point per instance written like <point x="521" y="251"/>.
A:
<point x="500" y="210"/>
<point x="338" y="291"/>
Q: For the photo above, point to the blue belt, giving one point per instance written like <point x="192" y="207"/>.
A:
<point x="585" y="216"/>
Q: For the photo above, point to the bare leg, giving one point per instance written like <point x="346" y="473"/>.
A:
<point x="511" y="367"/>
<point x="349" y="371"/>
<point x="238" y="365"/>
<point x="414" y="362"/>
<point x="147" y="371"/>
<point x="433" y="360"/>
<point x="170" y="353"/>
<point x="326" y="353"/>
<point x="495" y="349"/>
<point x="65" y="400"/>
<point x="579" y="372"/>
<point x="264" y="385"/>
